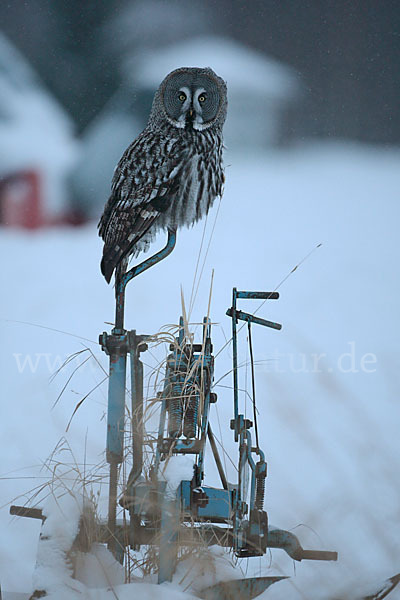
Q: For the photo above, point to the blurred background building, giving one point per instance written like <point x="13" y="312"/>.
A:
<point x="37" y="145"/>
<point x="295" y="71"/>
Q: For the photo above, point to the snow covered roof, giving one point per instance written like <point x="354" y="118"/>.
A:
<point x="242" y="67"/>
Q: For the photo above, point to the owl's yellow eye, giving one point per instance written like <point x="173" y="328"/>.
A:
<point x="182" y="97"/>
<point x="202" y="98"/>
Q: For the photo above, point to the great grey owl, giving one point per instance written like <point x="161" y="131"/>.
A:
<point x="172" y="172"/>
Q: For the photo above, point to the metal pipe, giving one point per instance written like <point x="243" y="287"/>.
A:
<point x="217" y="459"/>
<point x="116" y="347"/>
<point x="116" y="404"/>
<point x="137" y="409"/>
<point x="248" y="318"/>
<point x="235" y="374"/>
<point x="25" y="511"/>
<point x="206" y="378"/>
<point x="257" y="295"/>
<point x="168" y="541"/>
<point x="112" y="507"/>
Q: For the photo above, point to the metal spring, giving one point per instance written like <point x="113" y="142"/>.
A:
<point x="191" y="414"/>
<point x="175" y="411"/>
<point x="260" y="492"/>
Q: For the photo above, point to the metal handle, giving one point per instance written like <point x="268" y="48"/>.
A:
<point x="258" y="295"/>
<point x="319" y="555"/>
<point x="24" y="511"/>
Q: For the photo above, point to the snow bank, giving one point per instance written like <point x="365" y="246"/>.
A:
<point x="53" y="571"/>
<point x="328" y="424"/>
<point x="177" y="469"/>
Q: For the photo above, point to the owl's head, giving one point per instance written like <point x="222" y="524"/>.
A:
<point x="191" y="97"/>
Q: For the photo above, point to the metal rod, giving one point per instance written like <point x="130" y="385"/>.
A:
<point x="243" y="316"/>
<point x="235" y="373"/>
<point x="253" y="385"/>
<point x="224" y="536"/>
<point x="112" y="507"/>
<point x="137" y="409"/>
<point x="124" y="278"/>
<point x="205" y="383"/>
<point x="25" y="511"/>
<point x="319" y="555"/>
<point x="168" y="549"/>
<point x="116" y="401"/>
<point x="217" y="459"/>
<point x="280" y="538"/>
<point x="116" y="346"/>
<point x="258" y="295"/>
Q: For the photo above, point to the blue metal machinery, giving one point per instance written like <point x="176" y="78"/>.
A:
<point x="232" y="516"/>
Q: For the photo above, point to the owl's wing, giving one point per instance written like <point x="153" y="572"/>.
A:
<point x="140" y="192"/>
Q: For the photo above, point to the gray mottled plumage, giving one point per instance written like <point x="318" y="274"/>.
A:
<point x="171" y="174"/>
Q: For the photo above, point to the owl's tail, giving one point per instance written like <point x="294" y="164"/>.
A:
<point x="107" y="268"/>
<point x="112" y="256"/>
<point x="108" y="265"/>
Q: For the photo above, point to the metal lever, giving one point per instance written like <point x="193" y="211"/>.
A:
<point x="319" y="555"/>
<point x="243" y="316"/>
<point x="280" y="538"/>
<point x="258" y="295"/>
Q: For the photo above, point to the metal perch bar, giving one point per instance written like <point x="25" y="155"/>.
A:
<point x="125" y="278"/>
<point x="117" y="345"/>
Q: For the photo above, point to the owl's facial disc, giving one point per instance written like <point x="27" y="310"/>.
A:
<point x="191" y="98"/>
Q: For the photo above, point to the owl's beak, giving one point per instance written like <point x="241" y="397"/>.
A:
<point x="190" y="116"/>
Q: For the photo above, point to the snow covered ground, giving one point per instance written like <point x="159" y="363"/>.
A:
<point x="326" y="384"/>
